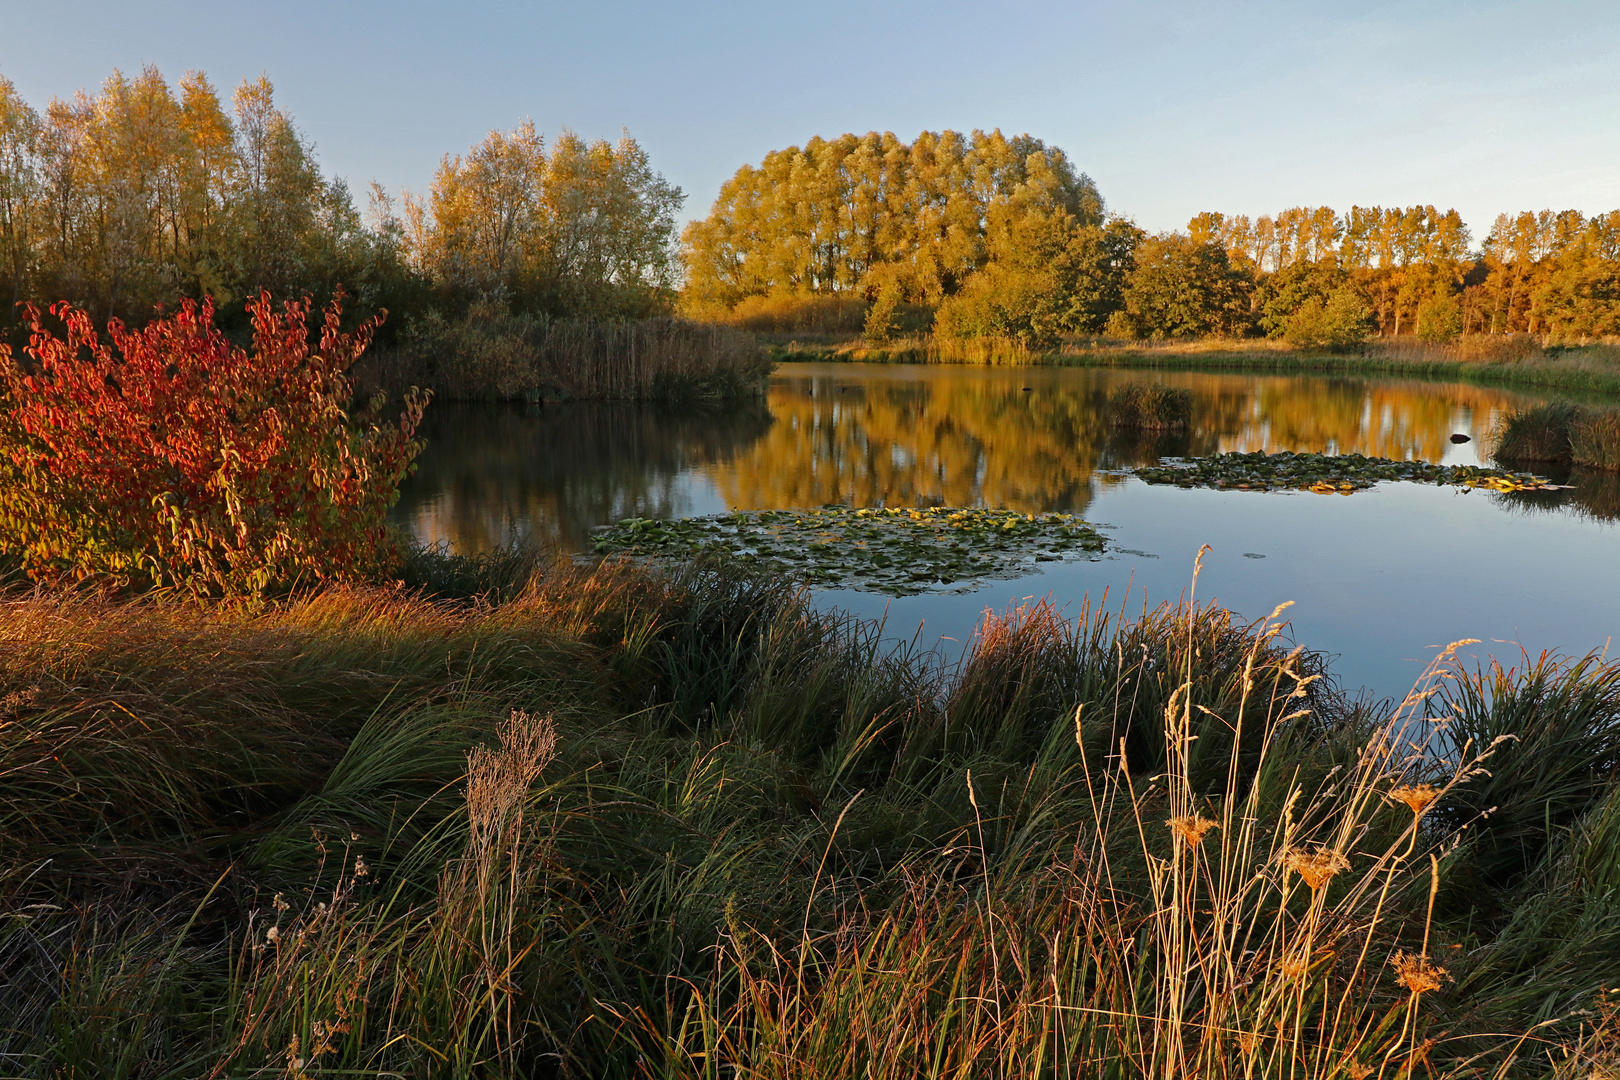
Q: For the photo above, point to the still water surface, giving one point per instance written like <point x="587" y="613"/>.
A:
<point x="1380" y="578"/>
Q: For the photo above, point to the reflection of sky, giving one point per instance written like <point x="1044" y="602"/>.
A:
<point x="1381" y="578"/>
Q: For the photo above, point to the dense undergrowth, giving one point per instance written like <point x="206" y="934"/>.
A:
<point x="508" y="820"/>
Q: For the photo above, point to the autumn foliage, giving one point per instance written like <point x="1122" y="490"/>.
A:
<point x="172" y="458"/>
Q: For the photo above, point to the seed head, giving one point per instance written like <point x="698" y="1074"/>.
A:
<point x="1417" y="797"/>
<point x="273" y="934"/>
<point x="1316" y="867"/>
<point x="1358" y="1071"/>
<point x="1191" y="828"/>
<point x="1415" y="971"/>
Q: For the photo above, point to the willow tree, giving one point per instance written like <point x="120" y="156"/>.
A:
<point x="863" y="215"/>
<point x="585" y="227"/>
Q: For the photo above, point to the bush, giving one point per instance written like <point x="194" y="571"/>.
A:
<point x="1542" y="433"/>
<point x="1149" y="406"/>
<point x="174" y="459"/>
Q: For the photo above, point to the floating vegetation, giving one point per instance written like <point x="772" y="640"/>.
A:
<point x="894" y="550"/>
<point x="1328" y="474"/>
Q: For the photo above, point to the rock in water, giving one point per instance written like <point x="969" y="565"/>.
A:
<point x="1459" y="437"/>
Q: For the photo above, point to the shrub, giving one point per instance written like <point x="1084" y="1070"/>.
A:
<point x="1595" y="440"/>
<point x="1149" y="406"/>
<point x="1541" y="433"/>
<point x="172" y="458"/>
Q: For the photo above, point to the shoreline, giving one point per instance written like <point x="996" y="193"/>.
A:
<point x="1593" y="369"/>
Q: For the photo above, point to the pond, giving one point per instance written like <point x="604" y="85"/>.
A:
<point x="1380" y="579"/>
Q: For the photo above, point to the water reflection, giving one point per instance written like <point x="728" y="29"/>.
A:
<point x="1040" y="439"/>
<point x="1595" y="494"/>
<point x="495" y="475"/>
<point x="1032" y="439"/>
<point x="1381" y="579"/>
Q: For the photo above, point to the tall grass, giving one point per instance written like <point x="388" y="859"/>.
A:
<point x="493" y="355"/>
<point x="1539" y="433"/>
<point x="1150" y="406"/>
<point x="610" y="823"/>
<point x="1595" y="441"/>
<point x="1561" y="432"/>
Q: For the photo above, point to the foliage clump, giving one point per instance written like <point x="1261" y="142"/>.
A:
<point x="171" y="458"/>
<point x="1150" y="406"/>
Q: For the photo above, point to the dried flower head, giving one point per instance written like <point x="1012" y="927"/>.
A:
<point x="1414" y="970"/>
<point x="1191" y="828"/>
<point x="1357" y="1071"/>
<point x="273" y="934"/>
<point x="1316" y="867"/>
<point x="1417" y="797"/>
<point x="1295" y="966"/>
<point x="1247" y="1041"/>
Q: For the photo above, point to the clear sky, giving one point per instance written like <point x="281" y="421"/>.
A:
<point x="1172" y="106"/>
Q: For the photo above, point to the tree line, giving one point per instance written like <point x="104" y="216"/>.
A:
<point x="1000" y="236"/>
<point x="145" y="193"/>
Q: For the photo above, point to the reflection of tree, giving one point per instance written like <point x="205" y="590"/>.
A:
<point x="974" y="437"/>
<point x="938" y="435"/>
<point x="1396" y="419"/>
<point x="898" y="441"/>
<point x="496" y="474"/>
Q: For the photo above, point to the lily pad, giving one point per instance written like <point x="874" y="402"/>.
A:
<point x="1327" y="474"/>
<point x="895" y="550"/>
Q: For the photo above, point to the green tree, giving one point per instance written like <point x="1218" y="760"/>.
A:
<point x="848" y="216"/>
<point x="1182" y="288"/>
<point x="585" y="227"/>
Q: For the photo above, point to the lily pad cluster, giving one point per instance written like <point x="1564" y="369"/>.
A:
<point x="894" y="550"/>
<point x="1328" y="474"/>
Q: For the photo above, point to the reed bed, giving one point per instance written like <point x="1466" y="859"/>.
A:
<point x="1595" y="441"/>
<point x="1150" y="406"/>
<point x="1560" y="432"/>
<point x="493" y="355"/>
<point x="563" y="821"/>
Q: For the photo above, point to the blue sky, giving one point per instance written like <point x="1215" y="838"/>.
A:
<point x="1172" y="106"/>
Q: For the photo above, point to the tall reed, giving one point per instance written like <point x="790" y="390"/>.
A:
<point x="494" y="355"/>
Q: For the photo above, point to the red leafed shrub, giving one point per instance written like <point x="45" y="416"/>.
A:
<point x="174" y="459"/>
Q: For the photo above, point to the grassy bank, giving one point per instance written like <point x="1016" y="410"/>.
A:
<point x="605" y="823"/>
<point x="492" y="355"/>
<point x="1502" y="360"/>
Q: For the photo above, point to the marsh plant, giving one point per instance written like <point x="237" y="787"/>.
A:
<point x="1150" y="406"/>
<point x="491" y="354"/>
<point x="621" y="823"/>
<point x="1560" y="431"/>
